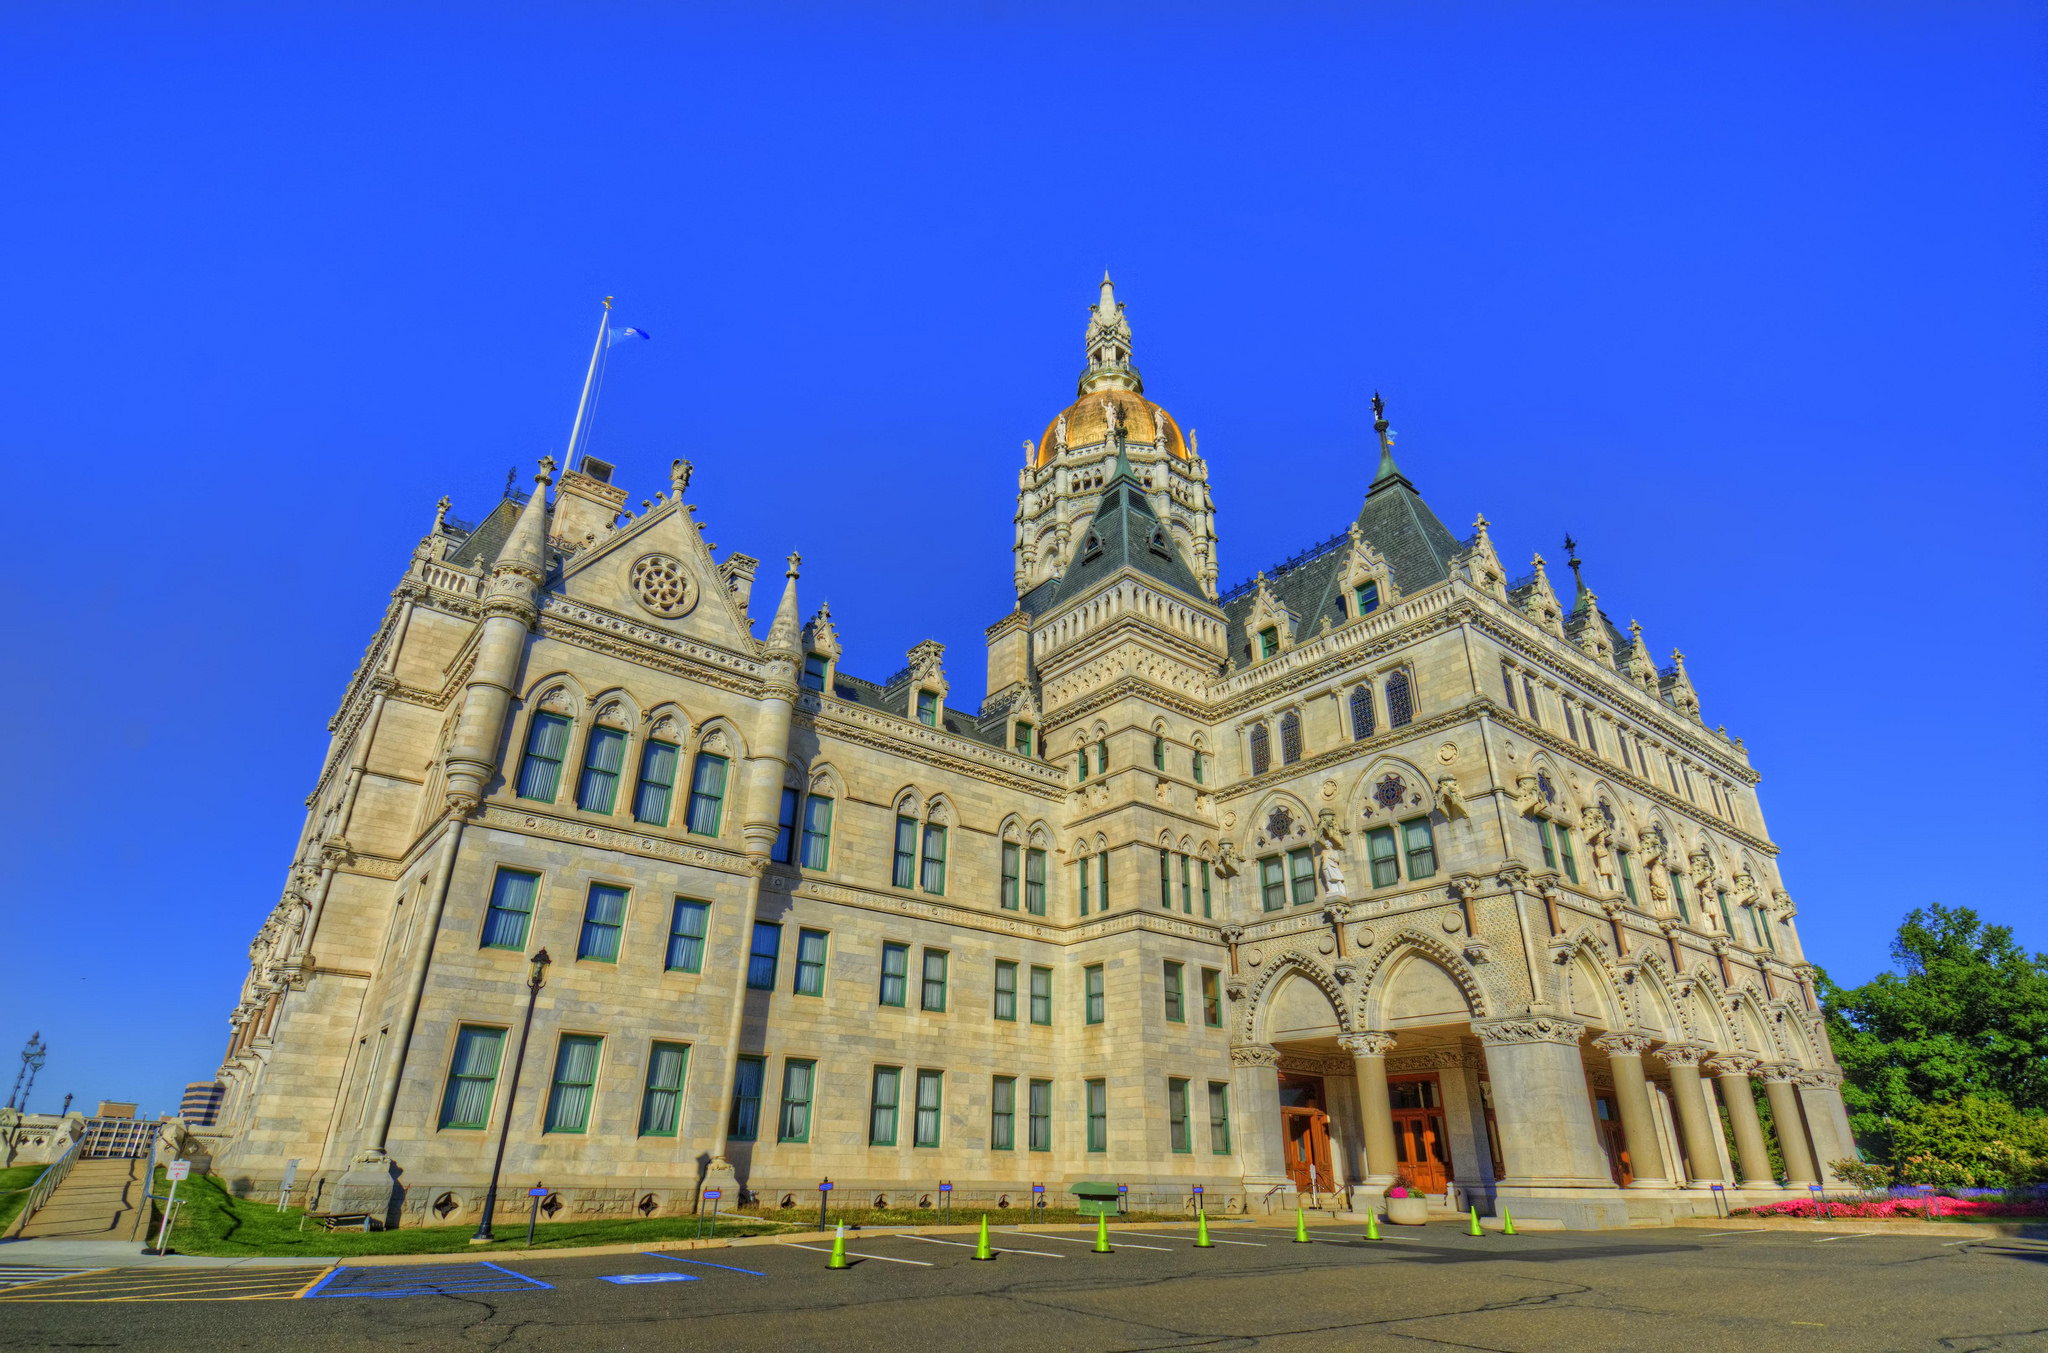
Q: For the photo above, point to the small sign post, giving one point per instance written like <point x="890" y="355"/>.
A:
<point x="1720" y="1201"/>
<point x="1198" y="1197"/>
<point x="1038" y="1197"/>
<point x="711" y="1196"/>
<point x="1123" y="1200"/>
<point x="824" y="1192"/>
<point x="284" y="1190"/>
<point x="174" y="1171"/>
<point x="945" y="1202"/>
<point x="537" y="1192"/>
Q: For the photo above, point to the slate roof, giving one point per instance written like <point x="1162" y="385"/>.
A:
<point x="859" y="691"/>
<point x="1124" y="533"/>
<point x="1393" y="520"/>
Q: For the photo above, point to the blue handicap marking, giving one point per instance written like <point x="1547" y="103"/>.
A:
<point x="677" y="1259"/>
<point x="425" y="1280"/>
<point x="649" y="1278"/>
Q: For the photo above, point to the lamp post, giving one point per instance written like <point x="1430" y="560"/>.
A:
<point x="536" y="977"/>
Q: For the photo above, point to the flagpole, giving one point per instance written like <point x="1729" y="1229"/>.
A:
<point x="589" y="379"/>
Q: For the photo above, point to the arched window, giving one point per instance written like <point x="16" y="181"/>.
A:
<point x="1262" y="750"/>
<point x="1361" y="712"/>
<point x="1400" y="704"/>
<point x="1290" y="738"/>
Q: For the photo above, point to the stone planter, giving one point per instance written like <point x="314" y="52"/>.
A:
<point x="1410" y="1211"/>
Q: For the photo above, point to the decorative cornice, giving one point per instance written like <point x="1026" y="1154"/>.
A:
<point x="610" y="838"/>
<point x="1734" y="1064"/>
<point x="948" y="751"/>
<point x="998" y="922"/>
<point x="1316" y="1066"/>
<point x="1372" y="1043"/>
<point x="1254" y="1054"/>
<point x="1436" y="1059"/>
<point x="1684" y="1054"/>
<point x="1496" y="1033"/>
<point x="1622" y="1044"/>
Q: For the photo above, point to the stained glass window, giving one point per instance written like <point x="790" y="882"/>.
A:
<point x="1400" y="701"/>
<point x="1262" y="750"/>
<point x="1361" y="713"/>
<point x="1290" y="738"/>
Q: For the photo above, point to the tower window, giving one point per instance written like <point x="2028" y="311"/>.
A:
<point x="1400" y="701"/>
<point x="1290" y="738"/>
<point x="1361" y="712"/>
<point x="1262" y="750"/>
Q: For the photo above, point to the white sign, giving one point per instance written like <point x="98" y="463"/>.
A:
<point x="291" y="1172"/>
<point x="178" y="1169"/>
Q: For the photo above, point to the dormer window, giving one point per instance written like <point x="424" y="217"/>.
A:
<point x="1091" y="547"/>
<point x="928" y="708"/>
<point x="813" y="678"/>
<point x="1023" y="739"/>
<point x="1269" y="642"/>
<point x="1367" y="596"/>
<point x="1158" y="543"/>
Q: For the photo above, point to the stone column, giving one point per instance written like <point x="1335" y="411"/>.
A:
<point x="1369" y="1056"/>
<point x="1255" y="1092"/>
<point x="1695" y="1121"/>
<point x="1820" y="1095"/>
<point x="1780" y="1084"/>
<point x="1540" y="1101"/>
<point x="1646" y="1159"/>
<point x="1752" y="1157"/>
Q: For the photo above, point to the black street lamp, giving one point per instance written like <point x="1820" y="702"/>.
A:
<point x="536" y="977"/>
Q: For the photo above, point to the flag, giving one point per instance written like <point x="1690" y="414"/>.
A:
<point x="619" y="336"/>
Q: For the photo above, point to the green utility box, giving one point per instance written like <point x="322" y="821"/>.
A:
<point x="1095" y="1199"/>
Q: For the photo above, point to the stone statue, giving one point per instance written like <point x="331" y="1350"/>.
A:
<point x="1327" y="831"/>
<point x="1331" y="874"/>
<point x="679" y="472"/>
<point x="1451" y="798"/>
<point x="1227" y="859"/>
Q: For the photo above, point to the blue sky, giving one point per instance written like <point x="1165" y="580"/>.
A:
<point x="1747" y="298"/>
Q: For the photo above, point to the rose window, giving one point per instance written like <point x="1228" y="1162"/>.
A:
<point x="661" y="585"/>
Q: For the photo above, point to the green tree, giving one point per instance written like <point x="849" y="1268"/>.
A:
<point x="1974" y="1142"/>
<point x="1967" y="1014"/>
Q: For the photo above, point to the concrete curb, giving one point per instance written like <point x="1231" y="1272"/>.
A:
<point x="1849" y="1226"/>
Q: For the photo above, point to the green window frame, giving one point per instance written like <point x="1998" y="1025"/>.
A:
<point x="932" y="993"/>
<point x="763" y="955"/>
<point x="884" y="1097"/>
<point x="1002" y="1114"/>
<point x="1380" y="853"/>
<point x="1628" y="877"/>
<point x="1678" y="895"/>
<point x="1082" y="865"/>
<point x="604" y="921"/>
<point x="707" y="795"/>
<point x="799" y="1077"/>
<point x="816" y="849"/>
<point x="1158" y="752"/>
<point x="1041" y="996"/>
<point x="1023" y="739"/>
<point x="1367" y="596"/>
<point x="1269" y="642"/>
<point x="813" y="677"/>
<point x="745" y="1123"/>
<point x="540" y="770"/>
<point x="1205" y="889"/>
<point x="1006" y="991"/>
<point x="657" y="787"/>
<point x="1034" y="880"/>
<point x="1006" y="897"/>
<point x="1219" y="1118"/>
<point x="575" y="1083"/>
<point x="1081" y="760"/>
<point x="1420" y="843"/>
<point x="1165" y="879"/>
<point x="1301" y="875"/>
<point x="1212" y="998"/>
<point x="928" y="708"/>
<point x="1272" y="883"/>
<point x="1038" y="1106"/>
<point x="1093" y="998"/>
<point x="1176" y="993"/>
<point x="510" y="913"/>
<point x="1102" y="756"/>
<point x="1549" y="843"/>
<point x="784" y="849"/>
<point x="604" y="757"/>
<point x="932" y="875"/>
<point x="895" y="975"/>
<point x="1179" y="1139"/>
<point x="1564" y="849"/>
<point x="1727" y="921"/>
<point x="1187" y="887"/>
<point x="931" y="1098"/>
<point x="1098" y="1115"/>
<point x="661" y="1098"/>
<point x="810" y="963"/>
<point x="1102" y="882"/>
<point x="472" y="1077"/>
<point x="1197" y="765"/>
<point x="687" y="927"/>
<point x="905" y="875"/>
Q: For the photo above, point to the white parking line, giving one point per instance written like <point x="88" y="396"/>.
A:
<point x="1752" y="1231"/>
<point x="1859" y="1235"/>
<point x="826" y="1249"/>
<point x="934" y="1240"/>
<point x="1113" y="1240"/>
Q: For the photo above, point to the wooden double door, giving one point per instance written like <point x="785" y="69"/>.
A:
<point x="1422" y="1147"/>
<point x="1305" y="1133"/>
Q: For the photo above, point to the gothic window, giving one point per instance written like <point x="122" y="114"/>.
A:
<point x="1535" y="714"/>
<point x="1621" y="737"/>
<point x="1262" y="750"/>
<point x="1158" y="544"/>
<point x="1101" y="755"/>
<point x="1091" y="547"/>
<point x="1571" y="725"/>
<point x="1158" y="752"/>
<point x="1367" y="596"/>
<point x="1290" y="738"/>
<point x="813" y="678"/>
<point x="1607" y="812"/>
<point x="1279" y="824"/>
<point x="1549" y="790"/>
<point x="1269" y="642"/>
<point x="1389" y="792"/>
<point x="1400" y="701"/>
<point x="1507" y="681"/>
<point x="1592" y="742"/>
<point x="1361" y="712"/>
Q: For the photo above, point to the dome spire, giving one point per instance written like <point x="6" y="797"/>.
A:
<point x="1389" y="474"/>
<point x="1108" y="343"/>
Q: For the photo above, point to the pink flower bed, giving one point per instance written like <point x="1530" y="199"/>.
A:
<point x="1908" y="1209"/>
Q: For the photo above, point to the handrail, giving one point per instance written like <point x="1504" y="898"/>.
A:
<point x="46" y="1184"/>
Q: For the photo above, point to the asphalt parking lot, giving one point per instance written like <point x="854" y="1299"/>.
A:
<point x="1687" y="1290"/>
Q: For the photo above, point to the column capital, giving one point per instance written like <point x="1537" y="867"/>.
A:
<point x="1254" y="1054"/>
<point x="1734" y="1064"/>
<point x="1778" y="1073"/>
<point x="1684" y="1054"/>
<point x="1496" y="1033"/>
<point x="1369" y="1044"/>
<point x="1622" y="1044"/>
<point x="1820" y="1080"/>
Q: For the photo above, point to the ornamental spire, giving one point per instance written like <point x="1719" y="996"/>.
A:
<point x="1108" y="344"/>
<point x="1388" y="474"/>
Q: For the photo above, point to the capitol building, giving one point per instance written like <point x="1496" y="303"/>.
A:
<point x="1397" y="862"/>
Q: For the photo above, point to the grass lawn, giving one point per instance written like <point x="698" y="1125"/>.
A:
<point x="213" y="1221"/>
<point x="14" y="1185"/>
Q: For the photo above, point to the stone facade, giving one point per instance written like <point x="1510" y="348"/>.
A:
<point x="1382" y="863"/>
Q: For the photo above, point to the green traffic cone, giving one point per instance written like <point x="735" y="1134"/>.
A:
<point x="838" y="1259"/>
<point x="981" y="1249"/>
<point x="1202" y="1241"/>
<point x="1474" y="1229"/>
<point x="1372" y="1224"/>
<point x="1300" y="1226"/>
<point x="1507" y="1221"/>
<point x="1102" y="1234"/>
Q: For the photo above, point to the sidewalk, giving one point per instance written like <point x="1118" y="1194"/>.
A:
<point x="122" y="1254"/>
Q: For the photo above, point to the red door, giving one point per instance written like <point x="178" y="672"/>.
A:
<point x="1422" y="1149"/>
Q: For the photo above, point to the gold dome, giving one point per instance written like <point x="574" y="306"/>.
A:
<point x="1088" y="424"/>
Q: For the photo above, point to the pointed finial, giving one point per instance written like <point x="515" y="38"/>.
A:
<point x="795" y="562"/>
<point x="1571" y="556"/>
<point x="679" y="472"/>
<point x="546" y="474"/>
<point x="1387" y="471"/>
<point x="440" y="514"/>
<point x="1479" y="525"/>
<point x="1379" y="412"/>
<point x="1635" y="631"/>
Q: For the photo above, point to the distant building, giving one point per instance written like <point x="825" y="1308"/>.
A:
<point x="1383" y="865"/>
<point x="113" y="1108"/>
<point x="201" y="1104"/>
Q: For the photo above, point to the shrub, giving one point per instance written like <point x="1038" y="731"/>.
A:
<point x="1972" y="1142"/>
<point x="1865" y="1175"/>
